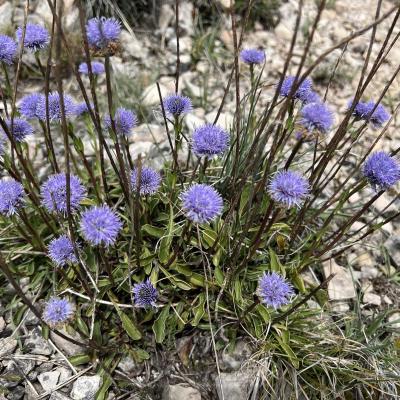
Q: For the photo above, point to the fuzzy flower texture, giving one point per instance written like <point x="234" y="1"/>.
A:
<point x="102" y="31"/>
<point x="149" y="182"/>
<point x="12" y="195"/>
<point x="176" y="105"/>
<point x="381" y="170"/>
<point x="8" y="49"/>
<point x="201" y="203"/>
<point x="145" y="294"/>
<point x="289" y="188"/>
<point x="97" y="68"/>
<point x="316" y="117"/>
<point x="36" y="37"/>
<point x="61" y="251"/>
<point x="209" y="141"/>
<point x="29" y="104"/>
<point x="124" y="121"/>
<point x="100" y="225"/>
<point x="19" y="128"/>
<point x="55" y="110"/>
<point x="365" y="111"/>
<point x="54" y="193"/>
<point x="252" y="56"/>
<point x="274" y="290"/>
<point x="304" y="92"/>
<point x="58" y="311"/>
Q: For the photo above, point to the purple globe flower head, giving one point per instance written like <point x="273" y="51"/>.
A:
<point x="252" y="56"/>
<point x="274" y="290"/>
<point x="209" y="141"/>
<point x="316" y="117"/>
<point x="97" y="68"/>
<point x="303" y="92"/>
<point x="360" y="110"/>
<point x="100" y="225"/>
<point x="312" y="97"/>
<point x="19" y="129"/>
<point x="29" y="104"/>
<point x="58" y="312"/>
<point x="124" y="120"/>
<point x="145" y="294"/>
<point x="12" y="196"/>
<point x="289" y="188"/>
<point x="176" y="105"/>
<point x="61" y="251"/>
<point x="55" y="114"/>
<point x="364" y="110"/>
<point x="36" y="37"/>
<point x="54" y="193"/>
<point x="150" y="181"/>
<point x="8" y="49"/>
<point x="102" y="31"/>
<point x="82" y="108"/>
<point x="381" y="170"/>
<point x="201" y="203"/>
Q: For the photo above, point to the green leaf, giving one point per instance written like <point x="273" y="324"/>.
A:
<point x="159" y="324"/>
<point x="199" y="310"/>
<point x="275" y="263"/>
<point x="165" y="243"/>
<point x="79" y="359"/>
<point x="289" y="352"/>
<point x="153" y="231"/>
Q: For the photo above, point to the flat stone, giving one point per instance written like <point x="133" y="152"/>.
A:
<point x="372" y="298"/>
<point x="36" y="344"/>
<point x="394" y="319"/>
<point x="58" y="396"/>
<point x="7" y="346"/>
<point x="181" y="391"/>
<point x="86" y="387"/>
<point x="341" y="285"/>
<point x="233" y="360"/>
<point x="6" y="12"/>
<point x="235" y="386"/>
<point x="49" y="380"/>
<point x="70" y="349"/>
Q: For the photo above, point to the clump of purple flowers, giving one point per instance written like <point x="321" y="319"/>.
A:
<point x="100" y="225"/>
<point x="252" y="56"/>
<point x="8" y="49"/>
<point x="102" y="31"/>
<point x="54" y="193"/>
<point x="364" y="110"/>
<point x="125" y="120"/>
<point x="145" y="294"/>
<point x="304" y="92"/>
<point x="12" y="196"/>
<point x="149" y="182"/>
<point x="55" y="113"/>
<point x="19" y="128"/>
<point x="97" y="68"/>
<point x="201" y="203"/>
<point x="29" y="104"/>
<point x="381" y="170"/>
<point x="61" y="251"/>
<point x="209" y="140"/>
<point x="176" y="105"/>
<point x="316" y="117"/>
<point x="36" y="37"/>
<point x="274" y="290"/>
<point x="289" y="188"/>
<point x="58" y="311"/>
<point x="82" y="108"/>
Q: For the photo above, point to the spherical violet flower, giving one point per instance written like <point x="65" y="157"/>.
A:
<point x="29" y="103"/>
<point x="252" y="56"/>
<point x="61" y="251"/>
<point x="58" y="312"/>
<point x="209" y="140"/>
<point x="316" y="117"/>
<point x="97" y="68"/>
<point x="274" y="290"/>
<point x="289" y="188"/>
<point x="302" y="93"/>
<point x="100" y="225"/>
<point x="12" y="196"/>
<point x="102" y="31"/>
<point x="55" y="113"/>
<point x="82" y="108"/>
<point x="125" y="120"/>
<point x="201" y="203"/>
<point x="176" y="105"/>
<point x="145" y="294"/>
<point x="54" y="193"/>
<point x="150" y="181"/>
<point x="381" y="170"/>
<point x="19" y="128"/>
<point x="36" y="37"/>
<point x="8" y="49"/>
<point x="364" y="110"/>
<point x="311" y="97"/>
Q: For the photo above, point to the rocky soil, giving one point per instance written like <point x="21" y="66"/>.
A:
<point x="32" y="368"/>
